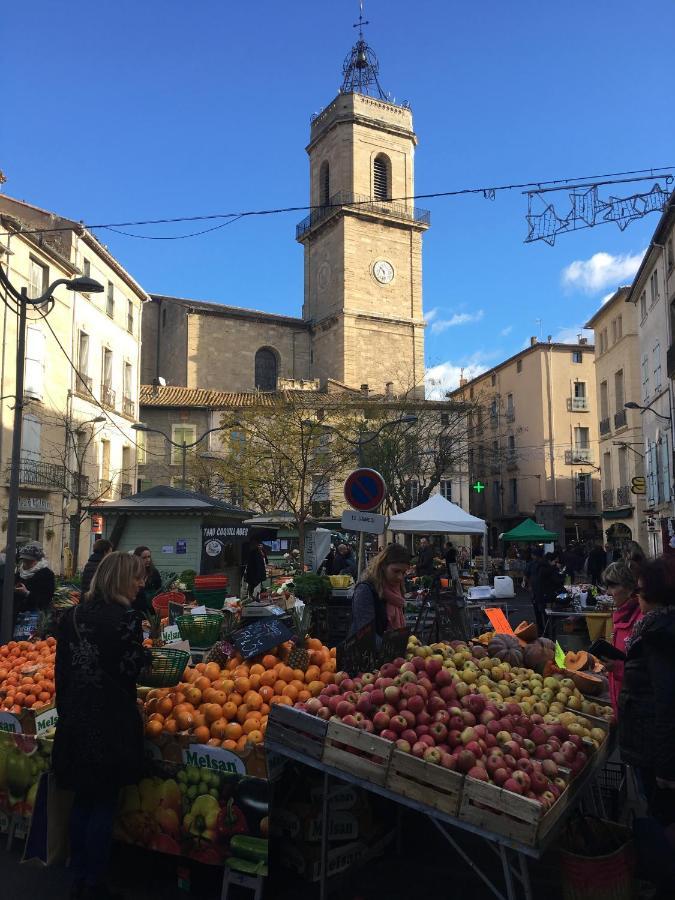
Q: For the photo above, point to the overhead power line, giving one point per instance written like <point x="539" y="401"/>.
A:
<point x="487" y="191"/>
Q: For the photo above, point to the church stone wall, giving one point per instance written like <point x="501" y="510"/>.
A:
<point x="167" y="356"/>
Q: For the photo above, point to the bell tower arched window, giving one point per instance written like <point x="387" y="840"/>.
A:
<point x="381" y="177"/>
<point x="266" y="369"/>
<point x="324" y="184"/>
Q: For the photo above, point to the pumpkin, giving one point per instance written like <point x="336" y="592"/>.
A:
<point x="575" y="662"/>
<point x="526" y="631"/>
<point x="507" y="648"/>
<point x="537" y="654"/>
<point x="587" y="683"/>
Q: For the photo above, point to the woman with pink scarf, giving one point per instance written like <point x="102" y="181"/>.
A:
<point x="620" y="580"/>
<point x="378" y="597"/>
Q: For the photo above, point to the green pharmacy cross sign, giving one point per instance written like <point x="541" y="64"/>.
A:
<point x="478" y="487"/>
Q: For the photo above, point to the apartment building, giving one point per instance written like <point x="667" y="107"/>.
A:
<point x="621" y="456"/>
<point x="81" y="381"/>
<point x="533" y="441"/>
<point x="652" y="294"/>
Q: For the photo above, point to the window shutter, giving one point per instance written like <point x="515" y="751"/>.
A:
<point x="31" y="434"/>
<point x="34" y="368"/>
<point x="665" y="468"/>
<point x="651" y="473"/>
<point x="380" y="178"/>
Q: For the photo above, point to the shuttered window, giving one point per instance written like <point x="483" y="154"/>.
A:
<point x="324" y="184"/>
<point x="35" y="363"/>
<point x="381" y="178"/>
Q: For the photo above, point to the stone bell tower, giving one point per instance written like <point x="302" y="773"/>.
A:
<point x="363" y="238"/>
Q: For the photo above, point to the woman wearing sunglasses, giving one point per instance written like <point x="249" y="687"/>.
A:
<point x="620" y="581"/>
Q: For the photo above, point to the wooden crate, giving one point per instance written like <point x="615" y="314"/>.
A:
<point x="510" y="815"/>
<point x="297" y="730"/>
<point x="432" y="785"/>
<point x="357" y="752"/>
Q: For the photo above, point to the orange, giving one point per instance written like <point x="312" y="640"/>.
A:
<point x="284" y="700"/>
<point x="202" y="734"/>
<point x="253" y="700"/>
<point x="315" y="687"/>
<point x="314" y="644"/>
<point x="171" y="726"/>
<point x="257" y="669"/>
<point x="255" y="681"/>
<point x="212" y="671"/>
<point x="255" y="737"/>
<point x="264" y="709"/>
<point x="229" y="710"/>
<point x="268" y="678"/>
<point x="266" y="693"/>
<point x="212" y="712"/>
<point x="290" y="691"/>
<point x="251" y="725"/>
<point x="298" y="675"/>
<point x="241" y="743"/>
<point x="184" y="720"/>
<point x="232" y="664"/>
<point x="233" y="731"/>
<point x="202" y="683"/>
<point x="286" y="674"/>
<point x="303" y="696"/>
<point x="327" y="677"/>
<point x="312" y="674"/>
<point x="193" y="695"/>
<point x="153" y="728"/>
<point x="214" y="742"/>
<point x="219" y="697"/>
<point x="279" y="687"/>
<point x="269" y="661"/>
<point x="219" y="729"/>
<point x="242" y="685"/>
<point x="242" y="712"/>
<point x="229" y="745"/>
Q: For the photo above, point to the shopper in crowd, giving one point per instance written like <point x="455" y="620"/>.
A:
<point x="621" y="584"/>
<point x="549" y="581"/>
<point x="99" y="551"/>
<point x="647" y="700"/>
<point x="596" y="563"/>
<point x="255" y="570"/>
<point x="344" y="562"/>
<point x="34" y="582"/>
<point x="329" y="561"/>
<point x="152" y="583"/>
<point x="451" y="564"/>
<point x="425" y="558"/>
<point x="635" y="556"/>
<point x="571" y="561"/>
<point x="378" y="597"/>
<point x="98" y="747"/>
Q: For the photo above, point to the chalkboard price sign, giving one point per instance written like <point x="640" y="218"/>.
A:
<point x="260" y="636"/>
<point x="357" y="653"/>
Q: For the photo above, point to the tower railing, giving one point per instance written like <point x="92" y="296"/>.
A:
<point x="357" y="202"/>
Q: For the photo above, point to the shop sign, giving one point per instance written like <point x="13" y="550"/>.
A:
<point x="97" y="524"/>
<point x="46" y="720"/>
<point x="213" y="758"/>
<point x="34" y="504"/>
<point x="9" y="724"/>
<point x="181" y="547"/>
<point x="171" y="633"/>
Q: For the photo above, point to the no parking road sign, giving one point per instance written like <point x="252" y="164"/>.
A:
<point x="365" y="489"/>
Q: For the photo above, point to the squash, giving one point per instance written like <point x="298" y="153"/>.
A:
<point x="587" y="683"/>
<point x="575" y="662"/>
<point x="537" y="654"/>
<point x="526" y="631"/>
<point x="507" y="648"/>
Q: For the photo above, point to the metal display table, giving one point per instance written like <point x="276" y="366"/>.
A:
<point x="512" y="853"/>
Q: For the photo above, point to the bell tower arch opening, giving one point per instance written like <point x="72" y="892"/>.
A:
<point x="266" y="369"/>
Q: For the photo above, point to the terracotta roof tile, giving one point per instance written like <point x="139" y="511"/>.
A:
<point x="208" y="399"/>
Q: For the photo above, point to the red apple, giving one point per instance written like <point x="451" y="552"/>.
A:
<point x="468" y="734"/>
<point x="549" y="768"/>
<point x="432" y="755"/>
<point x="419" y="749"/>
<point x="409" y="735"/>
<point x="448" y="761"/>
<point x="479" y="773"/>
<point x="313" y="706"/>
<point x="377" y="697"/>
<point x="416" y="704"/>
<point x="428" y="740"/>
<point x="392" y="694"/>
<point x="465" y="761"/>
<point x="403" y="745"/>
<point x="454" y="738"/>
<point x="324" y="713"/>
<point x="350" y="720"/>
<point x="398" y="724"/>
<point x="448" y="693"/>
<point x="511" y="785"/>
<point x="422" y="729"/>
<point x="500" y="776"/>
<point x="443" y="678"/>
<point x="381" y="721"/>
<point x="525" y="765"/>
<point x="433" y="667"/>
<point x="388" y="734"/>
<point x="409" y="717"/>
<point x="423" y="718"/>
<point x="438" y="731"/>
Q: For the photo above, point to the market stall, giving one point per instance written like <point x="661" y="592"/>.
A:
<point x="529" y="532"/>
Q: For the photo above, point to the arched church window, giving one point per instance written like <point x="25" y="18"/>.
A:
<point x="381" y="177"/>
<point x="266" y="369"/>
<point x="324" y="184"/>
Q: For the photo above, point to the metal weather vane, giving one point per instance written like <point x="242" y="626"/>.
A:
<point x="587" y="209"/>
<point x="361" y="69"/>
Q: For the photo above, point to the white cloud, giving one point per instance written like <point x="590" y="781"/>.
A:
<point x="507" y="330"/>
<point x="431" y="314"/>
<point x="445" y="376"/>
<point x="442" y="325"/>
<point x="600" y="271"/>
<point x="607" y="297"/>
<point x="570" y="335"/>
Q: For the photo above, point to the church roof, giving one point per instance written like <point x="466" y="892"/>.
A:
<point x="208" y="307"/>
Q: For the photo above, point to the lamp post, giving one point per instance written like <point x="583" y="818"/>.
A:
<point x="23" y="301"/>
<point x="643" y="409"/>
<point x="183" y="447"/>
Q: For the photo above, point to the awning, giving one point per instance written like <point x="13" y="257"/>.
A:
<point x="529" y="531"/>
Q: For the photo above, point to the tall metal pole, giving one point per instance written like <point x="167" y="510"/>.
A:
<point x="361" y="564"/>
<point x="7" y="617"/>
<point x="184" y="461"/>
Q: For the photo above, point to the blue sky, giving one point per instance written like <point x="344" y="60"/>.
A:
<point x="123" y="110"/>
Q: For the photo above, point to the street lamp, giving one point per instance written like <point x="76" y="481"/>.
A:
<point x="20" y="297"/>
<point x="632" y="405"/>
<point x="183" y="447"/>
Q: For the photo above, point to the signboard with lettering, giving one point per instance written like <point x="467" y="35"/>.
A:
<point x="221" y="545"/>
<point x="215" y="759"/>
<point x="371" y="523"/>
<point x="260" y="636"/>
<point x="34" y="504"/>
<point x="357" y="653"/>
<point x="45" y="721"/>
<point x="499" y="621"/>
<point x="9" y="724"/>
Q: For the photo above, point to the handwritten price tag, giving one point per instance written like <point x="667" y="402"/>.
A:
<point x="498" y="620"/>
<point x="559" y="656"/>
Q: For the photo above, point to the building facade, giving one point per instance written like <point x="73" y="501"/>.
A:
<point x="81" y="381"/>
<point x="652" y="294"/>
<point x="533" y="441"/>
<point x="362" y="323"/>
<point x="621" y="454"/>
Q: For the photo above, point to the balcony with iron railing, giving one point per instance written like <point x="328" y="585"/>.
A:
<point x="608" y="498"/>
<point x="605" y="426"/>
<point x="620" y="418"/>
<point x="125" y="489"/>
<point x="83" y="385"/>
<point x="624" y="496"/>
<point x="578" y="455"/>
<point x="128" y="407"/>
<point x="79" y="485"/>
<point x="107" y="396"/>
<point x="361" y="203"/>
<point x="38" y="474"/>
<point x="577" y="404"/>
<point x="584" y="504"/>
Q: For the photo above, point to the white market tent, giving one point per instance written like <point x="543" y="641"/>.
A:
<point x="438" y="516"/>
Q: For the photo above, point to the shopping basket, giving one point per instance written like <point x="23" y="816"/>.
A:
<point x="165" y="669"/>
<point x="597" y="860"/>
<point x="201" y="630"/>
<point x="161" y="601"/>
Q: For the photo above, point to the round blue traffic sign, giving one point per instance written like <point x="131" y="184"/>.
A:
<point x="365" y="489"/>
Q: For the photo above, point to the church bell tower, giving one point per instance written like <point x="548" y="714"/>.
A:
<point x="363" y="238"/>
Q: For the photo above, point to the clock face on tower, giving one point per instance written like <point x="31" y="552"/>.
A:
<point x="383" y="271"/>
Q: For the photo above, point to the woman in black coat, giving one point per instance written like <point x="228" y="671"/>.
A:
<point x="100" y="550"/>
<point x="34" y="582"/>
<point x="98" y="747"/>
<point x="151" y="584"/>
<point x="647" y="699"/>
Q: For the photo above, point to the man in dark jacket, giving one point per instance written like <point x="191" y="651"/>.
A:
<point x="100" y="550"/>
<point x="549" y="582"/>
<point x="256" y="570"/>
<point x="596" y="564"/>
<point x="425" y="558"/>
<point x="344" y="562"/>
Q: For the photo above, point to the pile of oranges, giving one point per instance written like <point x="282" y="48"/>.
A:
<point x="228" y="707"/>
<point x="27" y="675"/>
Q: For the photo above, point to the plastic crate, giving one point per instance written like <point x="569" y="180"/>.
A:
<point x="166" y="667"/>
